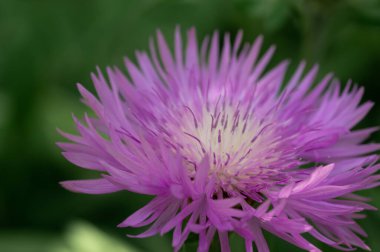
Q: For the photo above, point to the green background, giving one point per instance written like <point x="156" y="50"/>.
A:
<point x="47" y="46"/>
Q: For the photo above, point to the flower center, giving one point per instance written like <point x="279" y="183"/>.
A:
<point x="242" y="148"/>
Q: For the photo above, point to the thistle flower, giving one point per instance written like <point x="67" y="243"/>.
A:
<point x="225" y="145"/>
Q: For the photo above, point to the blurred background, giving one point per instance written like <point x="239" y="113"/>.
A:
<point x="46" y="47"/>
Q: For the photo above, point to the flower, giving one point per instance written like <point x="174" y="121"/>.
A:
<point x="224" y="146"/>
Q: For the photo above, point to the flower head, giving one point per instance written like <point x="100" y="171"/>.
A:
<point x="225" y="145"/>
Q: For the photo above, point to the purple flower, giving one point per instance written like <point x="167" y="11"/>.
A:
<point x="225" y="146"/>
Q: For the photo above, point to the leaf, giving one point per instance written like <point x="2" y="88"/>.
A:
<point x="83" y="237"/>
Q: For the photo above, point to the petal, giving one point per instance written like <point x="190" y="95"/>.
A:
<point x="91" y="186"/>
<point x="224" y="243"/>
<point x="315" y="178"/>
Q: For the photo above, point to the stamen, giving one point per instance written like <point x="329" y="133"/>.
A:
<point x="228" y="159"/>
<point x="246" y="154"/>
<point x="260" y="132"/>
<point x="195" y="119"/>
<point x="199" y="141"/>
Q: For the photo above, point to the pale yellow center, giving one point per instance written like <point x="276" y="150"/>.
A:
<point x="235" y="143"/>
